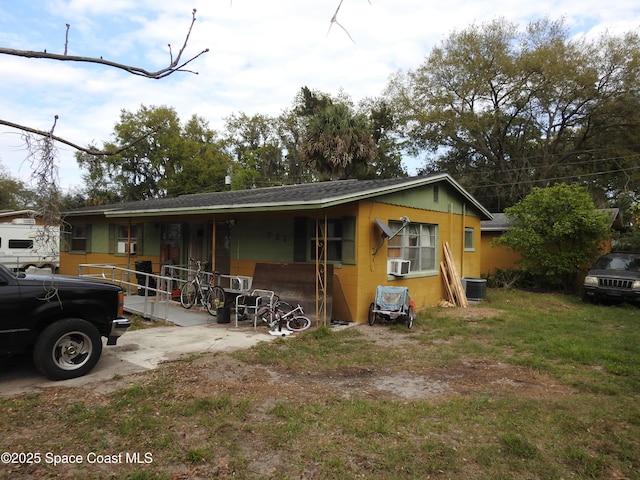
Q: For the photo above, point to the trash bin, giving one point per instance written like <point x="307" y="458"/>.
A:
<point x="475" y="288"/>
<point x="223" y="315"/>
<point x="145" y="266"/>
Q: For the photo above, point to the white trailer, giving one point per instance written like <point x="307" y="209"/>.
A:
<point x="24" y="244"/>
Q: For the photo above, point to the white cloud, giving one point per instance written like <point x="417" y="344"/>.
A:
<point x="261" y="53"/>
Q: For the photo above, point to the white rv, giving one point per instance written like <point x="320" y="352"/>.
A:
<point x="24" y="244"/>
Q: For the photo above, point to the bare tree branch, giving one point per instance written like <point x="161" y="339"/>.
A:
<point x="334" y="19"/>
<point x="89" y="150"/>
<point x="174" y="66"/>
<point x="66" y="38"/>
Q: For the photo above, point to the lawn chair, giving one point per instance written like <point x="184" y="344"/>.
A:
<point x="392" y="304"/>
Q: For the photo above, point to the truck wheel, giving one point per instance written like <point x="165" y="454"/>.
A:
<point x="68" y="348"/>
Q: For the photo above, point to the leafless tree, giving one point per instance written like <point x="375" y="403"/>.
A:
<point x="176" y="65"/>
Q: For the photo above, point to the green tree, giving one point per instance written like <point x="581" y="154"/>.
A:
<point x="291" y="130"/>
<point x="505" y="110"/>
<point x="339" y="143"/>
<point x="384" y="130"/>
<point x="558" y="231"/>
<point x="14" y="194"/>
<point x="256" y="149"/>
<point x="203" y="162"/>
<point x="165" y="158"/>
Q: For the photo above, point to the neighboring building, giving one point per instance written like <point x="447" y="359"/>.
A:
<point x="238" y="231"/>
<point x="495" y="257"/>
<point x="503" y="258"/>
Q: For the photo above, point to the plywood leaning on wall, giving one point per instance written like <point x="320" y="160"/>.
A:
<point x="453" y="285"/>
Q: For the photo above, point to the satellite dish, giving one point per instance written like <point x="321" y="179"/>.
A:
<point x="387" y="232"/>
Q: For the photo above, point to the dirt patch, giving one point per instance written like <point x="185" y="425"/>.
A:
<point x="212" y="373"/>
<point x="221" y="372"/>
<point x="224" y="373"/>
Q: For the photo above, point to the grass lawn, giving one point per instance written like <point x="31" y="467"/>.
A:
<point x="523" y="385"/>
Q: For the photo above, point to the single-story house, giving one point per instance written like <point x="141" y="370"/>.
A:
<point x="298" y="232"/>
<point x="503" y="258"/>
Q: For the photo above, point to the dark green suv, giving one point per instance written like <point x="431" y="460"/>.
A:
<point x="615" y="277"/>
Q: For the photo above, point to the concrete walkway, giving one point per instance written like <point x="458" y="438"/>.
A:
<point x="137" y="351"/>
<point x="193" y="331"/>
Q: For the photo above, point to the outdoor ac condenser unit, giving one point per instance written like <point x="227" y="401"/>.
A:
<point x="398" y="267"/>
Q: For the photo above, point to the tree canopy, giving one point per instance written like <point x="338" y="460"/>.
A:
<point x="504" y="110"/>
<point x="171" y="159"/>
<point x="320" y="137"/>
<point x="14" y="195"/>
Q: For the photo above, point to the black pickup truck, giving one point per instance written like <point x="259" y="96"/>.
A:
<point x="60" y="319"/>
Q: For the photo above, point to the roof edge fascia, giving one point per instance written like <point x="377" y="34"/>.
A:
<point x="282" y="206"/>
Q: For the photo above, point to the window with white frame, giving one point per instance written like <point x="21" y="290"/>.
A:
<point x="469" y="244"/>
<point x="416" y="243"/>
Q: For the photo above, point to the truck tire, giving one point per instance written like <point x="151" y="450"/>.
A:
<point x="66" y="349"/>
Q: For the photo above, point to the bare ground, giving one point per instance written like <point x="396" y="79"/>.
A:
<point x="213" y="374"/>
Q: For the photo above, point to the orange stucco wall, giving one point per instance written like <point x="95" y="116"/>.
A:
<point x="427" y="290"/>
<point x="356" y="283"/>
<point x="496" y="257"/>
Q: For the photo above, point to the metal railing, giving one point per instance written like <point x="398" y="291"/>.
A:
<point x="156" y="290"/>
<point x="230" y="283"/>
<point x="153" y="290"/>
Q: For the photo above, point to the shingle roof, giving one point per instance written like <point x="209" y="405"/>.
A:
<point x="501" y="223"/>
<point x="292" y="197"/>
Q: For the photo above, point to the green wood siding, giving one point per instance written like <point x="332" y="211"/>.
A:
<point x="151" y="238"/>
<point x="100" y="238"/>
<point x="443" y="199"/>
<point x="270" y="240"/>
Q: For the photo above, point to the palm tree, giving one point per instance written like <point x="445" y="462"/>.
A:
<point x="339" y="143"/>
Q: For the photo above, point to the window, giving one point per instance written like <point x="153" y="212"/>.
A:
<point x="341" y="233"/>
<point x="416" y="243"/>
<point x="334" y="240"/>
<point x="469" y="244"/>
<point x="79" y="238"/>
<point x="20" y="243"/>
<point x="126" y="239"/>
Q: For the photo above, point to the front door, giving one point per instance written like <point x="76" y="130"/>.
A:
<point x="223" y="248"/>
<point x="198" y="246"/>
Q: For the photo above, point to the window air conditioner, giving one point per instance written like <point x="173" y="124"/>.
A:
<point x="122" y="247"/>
<point x="398" y="267"/>
<point x="241" y="283"/>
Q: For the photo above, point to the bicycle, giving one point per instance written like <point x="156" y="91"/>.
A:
<point x="293" y="319"/>
<point x="211" y="296"/>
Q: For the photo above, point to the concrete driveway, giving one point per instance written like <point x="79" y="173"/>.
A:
<point x="136" y="351"/>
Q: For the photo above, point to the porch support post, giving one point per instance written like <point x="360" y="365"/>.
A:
<point x="321" y="269"/>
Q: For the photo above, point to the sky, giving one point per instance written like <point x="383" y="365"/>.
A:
<point x="261" y="52"/>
